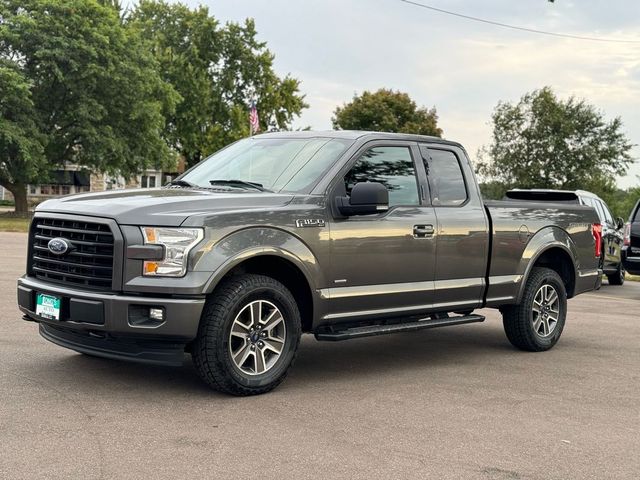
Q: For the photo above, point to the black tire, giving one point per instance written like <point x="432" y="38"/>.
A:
<point x="212" y="348"/>
<point x="518" y="320"/>
<point x="618" y="277"/>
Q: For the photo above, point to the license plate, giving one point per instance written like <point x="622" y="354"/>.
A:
<point x="48" y="306"/>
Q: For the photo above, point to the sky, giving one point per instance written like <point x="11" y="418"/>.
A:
<point x="464" y="68"/>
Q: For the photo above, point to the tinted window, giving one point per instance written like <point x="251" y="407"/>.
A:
<point x="636" y="211"/>
<point x="391" y="166"/>
<point x="607" y="213"/>
<point x="590" y="202"/>
<point x="446" y="179"/>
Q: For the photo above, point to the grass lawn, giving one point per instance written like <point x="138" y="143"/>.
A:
<point x="13" y="224"/>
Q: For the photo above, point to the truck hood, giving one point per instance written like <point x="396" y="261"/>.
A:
<point x="160" y="206"/>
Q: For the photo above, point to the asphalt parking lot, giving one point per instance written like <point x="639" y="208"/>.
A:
<point x="450" y="403"/>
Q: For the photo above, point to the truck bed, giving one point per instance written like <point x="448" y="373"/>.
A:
<point x="518" y="227"/>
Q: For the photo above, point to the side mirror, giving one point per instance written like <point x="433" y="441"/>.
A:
<point x="366" y="198"/>
<point x="619" y="223"/>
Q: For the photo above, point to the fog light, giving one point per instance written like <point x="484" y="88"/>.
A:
<point x="156" y="314"/>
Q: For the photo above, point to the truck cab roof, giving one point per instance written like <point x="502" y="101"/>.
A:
<point x="358" y="135"/>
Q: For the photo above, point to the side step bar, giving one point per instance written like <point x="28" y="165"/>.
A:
<point x="346" y="332"/>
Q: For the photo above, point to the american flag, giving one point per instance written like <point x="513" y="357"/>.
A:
<point x="254" y="121"/>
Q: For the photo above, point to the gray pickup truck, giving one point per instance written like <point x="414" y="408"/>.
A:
<point x="338" y="234"/>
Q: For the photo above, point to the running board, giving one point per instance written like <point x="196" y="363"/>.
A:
<point x="346" y="332"/>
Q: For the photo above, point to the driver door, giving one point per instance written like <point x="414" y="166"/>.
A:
<point x="383" y="264"/>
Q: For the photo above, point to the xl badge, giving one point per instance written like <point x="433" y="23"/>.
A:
<point x="58" y="246"/>
<point x="310" y="222"/>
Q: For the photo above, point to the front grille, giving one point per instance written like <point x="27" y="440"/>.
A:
<point x="89" y="264"/>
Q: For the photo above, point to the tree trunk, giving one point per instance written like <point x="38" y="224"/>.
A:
<point x="19" y="192"/>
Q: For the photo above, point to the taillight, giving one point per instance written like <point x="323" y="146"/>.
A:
<point x="627" y="234"/>
<point x="596" y="230"/>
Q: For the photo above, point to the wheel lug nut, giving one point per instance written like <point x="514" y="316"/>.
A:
<point x="261" y="344"/>
<point x="253" y="347"/>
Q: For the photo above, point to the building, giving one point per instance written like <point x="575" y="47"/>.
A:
<point x="75" y="179"/>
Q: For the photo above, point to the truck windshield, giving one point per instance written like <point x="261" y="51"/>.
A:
<point x="276" y="164"/>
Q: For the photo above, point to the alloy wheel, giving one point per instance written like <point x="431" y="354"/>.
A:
<point x="545" y="310"/>
<point x="257" y="337"/>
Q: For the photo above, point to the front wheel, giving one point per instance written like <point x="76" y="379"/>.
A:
<point x="248" y="336"/>
<point x="617" y="278"/>
<point x="537" y="322"/>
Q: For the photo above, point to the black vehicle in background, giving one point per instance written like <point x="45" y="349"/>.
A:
<point x="631" y="247"/>
<point x="612" y="229"/>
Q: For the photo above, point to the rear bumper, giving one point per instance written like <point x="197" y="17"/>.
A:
<point x="631" y="264"/>
<point x="114" y="325"/>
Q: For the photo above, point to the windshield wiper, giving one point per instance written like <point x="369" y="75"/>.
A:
<point x="182" y="183"/>
<point x="240" y="183"/>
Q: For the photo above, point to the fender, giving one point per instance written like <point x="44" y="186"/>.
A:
<point x="248" y="243"/>
<point x="542" y="241"/>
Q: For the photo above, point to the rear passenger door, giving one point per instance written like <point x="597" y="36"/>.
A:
<point x="462" y="248"/>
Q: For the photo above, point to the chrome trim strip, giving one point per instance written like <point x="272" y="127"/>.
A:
<point x="381" y="311"/>
<point x="380" y="289"/>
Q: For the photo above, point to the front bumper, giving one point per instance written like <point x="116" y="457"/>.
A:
<point x="111" y="325"/>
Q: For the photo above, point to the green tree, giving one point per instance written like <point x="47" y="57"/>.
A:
<point x="545" y="142"/>
<point x="21" y="150"/>
<point x="218" y="70"/>
<point x="493" y="190"/>
<point x="621" y="202"/>
<point x="386" y="111"/>
<point x="76" y="87"/>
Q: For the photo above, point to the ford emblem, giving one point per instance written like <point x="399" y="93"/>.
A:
<point x="58" y="246"/>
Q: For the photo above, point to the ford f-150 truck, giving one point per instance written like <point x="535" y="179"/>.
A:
<point x="338" y="234"/>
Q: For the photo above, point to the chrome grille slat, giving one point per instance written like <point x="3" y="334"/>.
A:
<point x="73" y="230"/>
<point x="71" y="264"/>
<point x="91" y="262"/>
<point x="76" y="253"/>
<point x="75" y="242"/>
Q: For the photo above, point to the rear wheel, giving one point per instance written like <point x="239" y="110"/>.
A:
<point x="248" y="336"/>
<point x="537" y="322"/>
<point x="617" y="278"/>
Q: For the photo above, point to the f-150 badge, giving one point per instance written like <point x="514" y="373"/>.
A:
<point x="310" y="222"/>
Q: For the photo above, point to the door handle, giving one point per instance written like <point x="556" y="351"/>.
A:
<point x="422" y="231"/>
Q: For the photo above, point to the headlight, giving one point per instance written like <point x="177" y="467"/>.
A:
<point x="177" y="243"/>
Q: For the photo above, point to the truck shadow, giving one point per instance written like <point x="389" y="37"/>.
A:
<point x="317" y="362"/>
<point x="402" y="354"/>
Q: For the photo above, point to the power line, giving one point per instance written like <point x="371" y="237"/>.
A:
<point x="514" y="27"/>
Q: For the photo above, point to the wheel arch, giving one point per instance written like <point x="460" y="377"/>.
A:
<point x="272" y="252"/>
<point x="552" y="248"/>
<point x="282" y="269"/>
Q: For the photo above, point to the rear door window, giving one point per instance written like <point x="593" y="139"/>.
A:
<point x="446" y="181"/>
<point x="607" y="212"/>
<point x="600" y="210"/>
<point x="592" y="203"/>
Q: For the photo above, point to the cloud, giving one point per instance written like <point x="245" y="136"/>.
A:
<point x="464" y="68"/>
